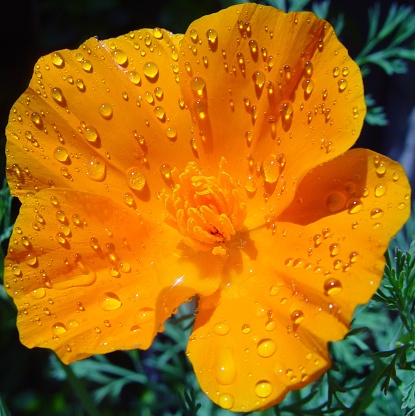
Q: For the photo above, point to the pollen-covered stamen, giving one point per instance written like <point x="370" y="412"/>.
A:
<point x="206" y="210"/>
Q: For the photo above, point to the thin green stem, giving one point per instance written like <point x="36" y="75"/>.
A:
<point x="80" y="390"/>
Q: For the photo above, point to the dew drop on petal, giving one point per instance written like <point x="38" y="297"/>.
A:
<point x="90" y="133"/>
<point x="96" y="169"/>
<point x="226" y="401"/>
<point x="86" y="66"/>
<point x="144" y="315"/>
<point x="263" y="388"/>
<point x="376" y="213"/>
<point x="150" y="70"/>
<point x="198" y="85"/>
<point x="221" y="328"/>
<point x="61" y="154"/>
<point x="105" y="110"/>
<point x="109" y="301"/>
<point x="120" y="57"/>
<point x="58" y="328"/>
<point x="332" y="287"/>
<point x="380" y="190"/>
<point x="336" y="201"/>
<point x="225" y="366"/>
<point x="297" y="316"/>
<point x="171" y="133"/>
<point x="266" y="347"/>
<point x="57" y="59"/>
<point x="342" y="83"/>
<point x="212" y="37"/>
<point x="308" y="69"/>
<point x="271" y="169"/>
<point x="246" y="329"/>
<point x="57" y="95"/>
<point x="134" y="77"/>
<point x="135" y="179"/>
<point x="259" y="79"/>
<point x="334" y="249"/>
<point x="38" y="293"/>
<point x="354" y="205"/>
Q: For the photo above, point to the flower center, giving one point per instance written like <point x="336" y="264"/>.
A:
<point x="206" y="210"/>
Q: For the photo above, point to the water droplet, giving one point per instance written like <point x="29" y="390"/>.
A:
<point x="91" y="135"/>
<point x="150" y="70"/>
<point x="250" y="184"/>
<point x="61" y="154"/>
<point x="226" y="401"/>
<point x="73" y="324"/>
<point x="259" y="79"/>
<point x="194" y="35"/>
<point x="263" y="388"/>
<point x="345" y="71"/>
<point x="171" y="133"/>
<point x="380" y="190"/>
<point x="332" y="287"/>
<point x="58" y="328"/>
<point x="271" y="169"/>
<point x="120" y="57"/>
<point x="80" y="85"/>
<point x="308" y="69"/>
<point x="109" y="301"/>
<point x="38" y="293"/>
<point x="336" y="72"/>
<point x="134" y="77"/>
<point x="225" y="366"/>
<point x="342" y="83"/>
<point x="308" y="86"/>
<point x="334" y="249"/>
<point x="336" y="201"/>
<point x="31" y="259"/>
<point x="57" y="59"/>
<point x="144" y="315"/>
<point x="286" y="111"/>
<point x="297" y="316"/>
<point x="96" y="169"/>
<point x="37" y="120"/>
<point x="135" y="179"/>
<point x="381" y="169"/>
<point x="212" y="37"/>
<point x="165" y="170"/>
<point x="16" y="270"/>
<point x="86" y="66"/>
<point x="221" y="328"/>
<point x="376" y="213"/>
<point x="158" y="34"/>
<point x="200" y="107"/>
<point x="198" y="85"/>
<point x="129" y="199"/>
<point x="57" y="95"/>
<point x="354" y="205"/>
<point x="158" y="93"/>
<point x="105" y="110"/>
<point x="266" y="347"/>
<point x="246" y="329"/>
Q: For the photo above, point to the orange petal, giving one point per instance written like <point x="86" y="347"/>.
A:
<point x="90" y="276"/>
<point x="101" y="118"/>
<point x="337" y="229"/>
<point x="248" y="348"/>
<point x="292" y="286"/>
<point x="275" y="93"/>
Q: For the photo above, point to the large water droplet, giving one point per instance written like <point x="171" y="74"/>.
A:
<point x="212" y="37"/>
<point x="336" y="201"/>
<point x="225" y="366"/>
<point x="221" y="328"/>
<point x="96" y="169"/>
<point x="271" y="169"/>
<point x="226" y="401"/>
<point x="105" y="110"/>
<point x="109" y="301"/>
<point x="135" y="179"/>
<point x="332" y="287"/>
<point x="61" y="154"/>
<point x="144" y="315"/>
<point x="150" y="70"/>
<point x="58" y="328"/>
<point x="198" y="85"/>
<point x="297" y="316"/>
<point x="91" y="135"/>
<point x="354" y="205"/>
<point x="259" y="79"/>
<point x="263" y="388"/>
<point x="120" y="57"/>
<point x="57" y="59"/>
<point x="57" y="95"/>
<point x="38" y="293"/>
<point x="266" y="347"/>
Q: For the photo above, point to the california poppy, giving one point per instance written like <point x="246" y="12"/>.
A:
<point x="154" y="167"/>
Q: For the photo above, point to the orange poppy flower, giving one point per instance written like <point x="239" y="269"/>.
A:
<point x="154" y="167"/>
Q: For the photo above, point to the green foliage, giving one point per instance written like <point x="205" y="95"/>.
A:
<point x="373" y="367"/>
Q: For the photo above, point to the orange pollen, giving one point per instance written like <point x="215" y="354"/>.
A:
<point x="206" y="210"/>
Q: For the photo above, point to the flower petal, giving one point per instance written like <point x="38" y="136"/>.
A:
<point x="90" y="276"/>
<point x="276" y="93"/>
<point x="101" y="118"/>
<point x="297" y="282"/>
